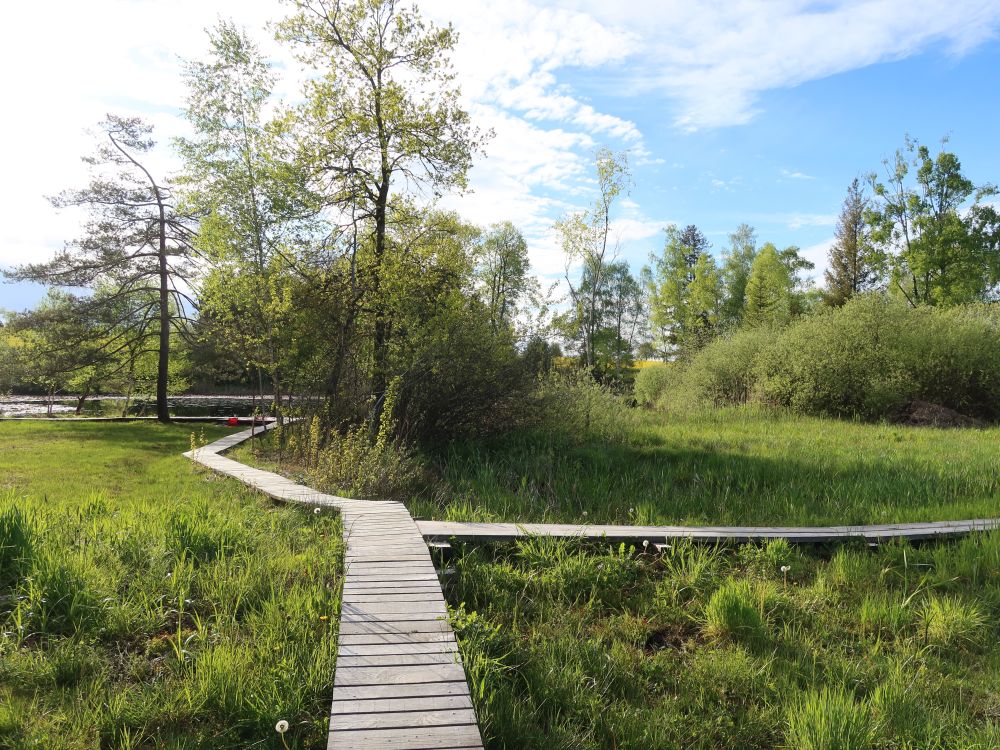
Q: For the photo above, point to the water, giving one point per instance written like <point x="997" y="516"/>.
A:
<point x="111" y="406"/>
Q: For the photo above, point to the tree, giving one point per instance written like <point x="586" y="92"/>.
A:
<point x="585" y="242"/>
<point x="136" y="247"/>
<point x="944" y="250"/>
<point x="736" y="266"/>
<point x="241" y="178"/>
<point x="382" y="114"/>
<point x="622" y="316"/>
<point x="768" y="298"/>
<point x="855" y="266"/>
<point x="684" y="291"/>
<point x="502" y="271"/>
<point x="704" y="297"/>
<point x="695" y="244"/>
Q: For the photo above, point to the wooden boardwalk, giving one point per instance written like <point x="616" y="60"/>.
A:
<point x="443" y="531"/>
<point x="399" y="681"/>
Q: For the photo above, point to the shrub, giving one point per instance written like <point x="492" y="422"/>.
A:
<point x="573" y="404"/>
<point x="866" y="359"/>
<point x="724" y="372"/>
<point x="733" y="612"/>
<point x="829" y="720"/>
<point x="839" y="362"/>
<point x="652" y="382"/>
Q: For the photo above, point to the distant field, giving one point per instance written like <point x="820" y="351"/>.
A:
<point x="729" y="466"/>
<point x="143" y="604"/>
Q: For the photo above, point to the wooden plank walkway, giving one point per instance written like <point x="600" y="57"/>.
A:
<point x="442" y="531"/>
<point x="399" y="680"/>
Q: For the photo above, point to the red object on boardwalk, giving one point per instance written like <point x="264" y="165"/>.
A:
<point x="232" y="421"/>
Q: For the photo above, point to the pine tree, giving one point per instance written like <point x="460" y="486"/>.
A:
<point x="768" y="290"/>
<point x="854" y="263"/>
<point x="135" y="250"/>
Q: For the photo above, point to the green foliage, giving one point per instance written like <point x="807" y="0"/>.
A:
<point x="868" y="359"/>
<point x="736" y="265"/>
<point x="724" y="372"/>
<point x="172" y="609"/>
<point x="733" y="612"/>
<point x="948" y="621"/>
<point x="768" y="290"/>
<point x="17" y="532"/>
<point x="829" y="719"/>
<point x="684" y="292"/>
<point x="856" y="265"/>
<point x="739" y="466"/>
<point x="559" y="657"/>
<point x="653" y="382"/>
<point x="939" y="232"/>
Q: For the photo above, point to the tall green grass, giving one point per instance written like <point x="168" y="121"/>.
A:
<point x="585" y="646"/>
<point x="147" y="604"/>
<point x="741" y="466"/>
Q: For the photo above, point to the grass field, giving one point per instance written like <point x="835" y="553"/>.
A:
<point x="727" y="466"/>
<point x="144" y="604"/>
<point x="576" y="649"/>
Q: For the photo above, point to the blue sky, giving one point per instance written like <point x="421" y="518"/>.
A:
<point x="757" y="111"/>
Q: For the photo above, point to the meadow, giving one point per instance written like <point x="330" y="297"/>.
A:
<point x="144" y="603"/>
<point x="573" y="647"/>
<point x="740" y="466"/>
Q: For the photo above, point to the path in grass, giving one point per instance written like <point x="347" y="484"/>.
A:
<point x="400" y="682"/>
<point x="146" y="604"/>
<point x="731" y="467"/>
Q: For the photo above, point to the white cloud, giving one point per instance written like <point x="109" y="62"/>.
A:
<point x="818" y="255"/>
<point x="716" y="58"/>
<point x="795" y="175"/>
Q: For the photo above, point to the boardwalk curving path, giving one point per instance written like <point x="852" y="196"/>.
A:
<point x="399" y="681"/>
<point x="466" y="531"/>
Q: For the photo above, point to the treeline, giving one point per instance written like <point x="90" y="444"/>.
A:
<point x="301" y="250"/>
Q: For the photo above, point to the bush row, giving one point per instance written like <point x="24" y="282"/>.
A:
<point x="868" y="359"/>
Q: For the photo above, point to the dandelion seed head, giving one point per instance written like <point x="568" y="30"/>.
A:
<point x="785" y="568"/>
<point x="281" y="727"/>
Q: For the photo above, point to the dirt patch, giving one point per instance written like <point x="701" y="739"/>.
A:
<point x="919" y="413"/>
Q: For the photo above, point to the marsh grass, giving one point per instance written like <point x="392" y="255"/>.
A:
<point x="739" y="466"/>
<point x="145" y="605"/>
<point x="587" y="646"/>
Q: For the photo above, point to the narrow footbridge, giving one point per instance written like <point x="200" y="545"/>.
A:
<point x="400" y="682"/>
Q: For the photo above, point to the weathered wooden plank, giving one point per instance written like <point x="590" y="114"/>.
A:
<point x="347" y="694"/>
<point x="396" y="660"/>
<point x="396" y="648"/>
<point x="426" y="738"/>
<point x="358" y="639"/>
<point x="412" y="626"/>
<point x="403" y="719"/>
<point x="398" y="675"/>
<point x="475" y="531"/>
<point x="391" y="705"/>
